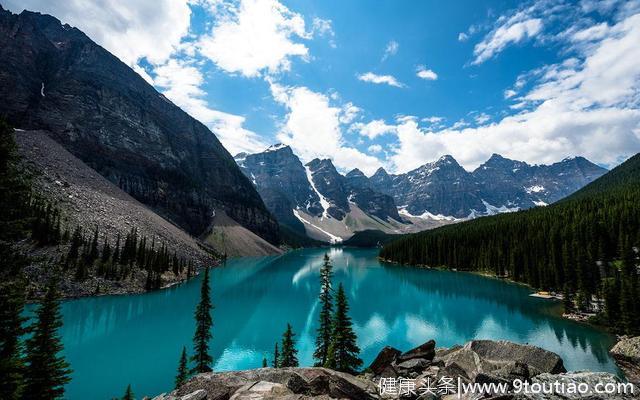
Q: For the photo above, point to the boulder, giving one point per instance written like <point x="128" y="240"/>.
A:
<point x="384" y="359"/>
<point x="502" y="352"/>
<point x="626" y="353"/>
<point x="413" y="365"/>
<point x="261" y="390"/>
<point x="426" y="351"/>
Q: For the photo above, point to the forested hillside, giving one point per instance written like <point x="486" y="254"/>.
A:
<point x="585" y="245"/>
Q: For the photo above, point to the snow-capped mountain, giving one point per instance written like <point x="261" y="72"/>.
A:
<point x="443" y="188"/>
<point x="317" y="200"/>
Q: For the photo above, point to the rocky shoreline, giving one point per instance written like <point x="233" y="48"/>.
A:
<point x="422" y="373"/>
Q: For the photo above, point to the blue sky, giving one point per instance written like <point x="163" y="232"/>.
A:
<point x="387" y="83"/>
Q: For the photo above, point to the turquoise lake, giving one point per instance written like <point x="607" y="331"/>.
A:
<point x="112" y="341"/>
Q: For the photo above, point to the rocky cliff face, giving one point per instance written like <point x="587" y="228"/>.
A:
<point x="315" y="190"/>
<point x="499" y="185"/>
<point x="54" y="78"/>
<point x="281" y="180"/>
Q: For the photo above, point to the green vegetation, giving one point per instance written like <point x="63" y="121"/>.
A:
<point x="183" y="370"/>
<point x="370" y="238"/>
<point x="289" y="355"/>
<point x="276" y="357"/>
<point x="46" y="372"/>
<point x="323" y="339"/>
<point x="128" y="394"/>
<point x="204" y="322"/>
<point x="343" y="350"/>
<point x="584" y="246"/>
<point x="31" y="368"/>
<point x="297" y="240"/>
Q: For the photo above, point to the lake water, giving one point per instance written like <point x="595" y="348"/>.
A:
<point x="112" y="341"/>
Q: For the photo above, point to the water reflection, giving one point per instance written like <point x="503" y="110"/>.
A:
<point x="116" y="340"/>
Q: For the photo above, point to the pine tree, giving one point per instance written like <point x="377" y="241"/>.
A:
<point x="343" y="351"/>
<point x="204" y="323"/>
<point x="11" y="329"/>
<point x="264" y="362"/>
<point x="276" y="357"/>
<point x="128" y="394"/>
<point x="323" y="338"/>
<point x="289" y="356"/>
<point x="183" y="370"/>
<point x="47" y="372"/>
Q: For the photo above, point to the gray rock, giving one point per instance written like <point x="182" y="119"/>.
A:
<point x="260" y="390"/>
<point x="413" y="365"/>
<point x="626" y="353"/>
<point x="426" y="351"/>
<point x="197" y="395"/>
<point x="502" y="352"/>
<point x="384" y="359"/>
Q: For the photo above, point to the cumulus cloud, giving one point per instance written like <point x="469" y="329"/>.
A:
<point x="374" y="148"/>
<point x="390" y="50"/>
<point x="586" y="105"/>
<point x="257" y="36"/>
<point x="509" y="93"/>
<point x="180" y="82"/>
<point x="380" y="79"/>
<point x="373" y="128"/>
<point x="514" y="30"/>
<point x="423" y="73"/>
<point x="130" y="29"/>
<point x="312" y="129"/>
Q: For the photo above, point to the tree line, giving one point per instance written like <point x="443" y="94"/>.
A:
<point x="585" y="246"/>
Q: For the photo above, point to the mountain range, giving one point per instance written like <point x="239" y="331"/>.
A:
<point x="315" y="199"/>
<point x="57" y="81"/>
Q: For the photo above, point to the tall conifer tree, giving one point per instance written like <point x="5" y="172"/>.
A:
<point x="289" y="356"/>
<point x="11" y="329"/>
<point x="343" y="351"/>
<point x="204" y="323"/>
<point x="47" y="371"/>
<point x="183" y="369"/>
<point x="323" y="338"/>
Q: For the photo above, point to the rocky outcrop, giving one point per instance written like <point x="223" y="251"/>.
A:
<point x="626" y="353"/>
<point x="54" y="78"/>
<point x="477" y="362"/>
<point x="272" y="383"/>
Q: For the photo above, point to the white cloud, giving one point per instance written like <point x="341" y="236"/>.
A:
<point x="423" y="73"/>
<point x="374" y="148"/>
<point x="433" y="119"/>
<point x="509" y="93"/>
<point x="130" y="29"/>
<point x="256" y="36"/>
<point x="324" y="28"/>
<point x="180" y="82"/>
<point x="514" y="30"/>
<point x="462" y="37"/>
<point x="390" y="50"/>
<point x="349" y="113"/>
<point x="586" y="105"/>
<point x="482" y="118"/>
<point x="373" y="129"/>
<point x="312" y="129"/>
<point x="380" y="79"/>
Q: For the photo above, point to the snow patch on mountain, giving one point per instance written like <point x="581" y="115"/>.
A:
<point x="324" y="203"/>
<point x="332" y="238"/>
<point x="427" y="215"/>
<point x="493" y="210"/>
<point x="534" y="189"/>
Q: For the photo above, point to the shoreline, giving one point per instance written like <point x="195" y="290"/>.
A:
<point x="579" y="318"/>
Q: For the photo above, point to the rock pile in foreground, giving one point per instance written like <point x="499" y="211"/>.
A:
<point x="627" y="355"/>
<point x="416" y="374"/>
